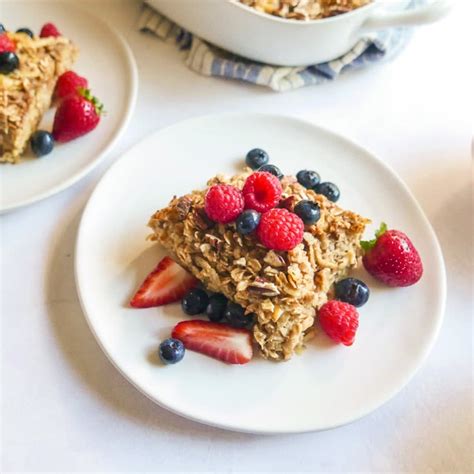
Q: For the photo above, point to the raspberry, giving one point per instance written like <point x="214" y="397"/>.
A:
<point x="262" y="191"/>
<point x="68" y="83"/>
<point x="339" y="321"/>
<point x="280" y="229"/>
<point x="224" y="203"/>
<point x="6" y="44"/>
<point x="49" y="30"/>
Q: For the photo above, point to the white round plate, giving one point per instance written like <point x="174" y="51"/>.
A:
<point x="107" y="62"/>
<point x="328" y="385"/>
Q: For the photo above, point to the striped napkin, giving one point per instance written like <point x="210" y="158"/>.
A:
<point x="209" y="60"/>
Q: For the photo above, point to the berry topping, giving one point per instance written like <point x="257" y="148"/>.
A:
<point x="392" y="258"/>
<point x="236" y="317"/>
<point x="167" y="283"/>
<point x="308" y="179"/>
<point x="272" y="169"/>
<point x="262" y="191"/>
<point x="309" y="211"/>
<point x="69" y="83"/>
<point x="256" y="158"/>
<point x="195" y="301"/>
<point x="247" y="222"/>
<point x="2" y="28"/>
<point x="220" y="341"/>
<point x="26" y="31"/>
<point x="216" y="307"/>
<point x="352" y="291"/>
<point x="280" y="229"/>
<point x="330" y="190"/>
<point x="41" y="143"/>
<point x="8" y="62"/>
<point x="76" y="115"/>
<point x="339" y="321"/>
<point x="6" y="44"/>
<point x="48" y="30"/>
<point x="223" y="203"/>
<point x="171" y="351"/>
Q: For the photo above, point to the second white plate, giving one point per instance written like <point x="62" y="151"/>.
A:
<point x="107" y="62"/>
<point x="327" y="385"/>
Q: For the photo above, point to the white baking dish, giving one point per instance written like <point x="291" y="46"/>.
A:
<point x="273" y="40"/>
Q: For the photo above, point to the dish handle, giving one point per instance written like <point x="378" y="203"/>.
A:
<point x="429" y="13"/>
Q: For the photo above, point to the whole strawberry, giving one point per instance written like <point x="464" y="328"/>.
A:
<point x="392" y="258"/>
<point x="69" y="83"/>
<point x="76" y="115"/>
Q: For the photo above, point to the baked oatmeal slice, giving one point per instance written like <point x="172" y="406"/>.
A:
<point x="283" y="289"/>
<point x="26" y="93"/>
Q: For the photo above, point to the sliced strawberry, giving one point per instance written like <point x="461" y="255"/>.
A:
<point x="223" y="342"/>
<point x="167" y="283"/>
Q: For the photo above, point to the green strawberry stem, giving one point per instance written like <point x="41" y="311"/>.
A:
<point x="370" y="244"/>
<point x="87" y="94"/>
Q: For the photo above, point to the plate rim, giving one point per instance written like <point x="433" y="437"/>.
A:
<point x="130" y="107"/>
<point x="442" y="280"/>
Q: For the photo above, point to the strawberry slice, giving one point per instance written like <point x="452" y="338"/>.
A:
<point x="167" y="283"/>
<point x="220" y="341"/>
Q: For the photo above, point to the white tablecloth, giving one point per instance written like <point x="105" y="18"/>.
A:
<point x="65" y="408"/>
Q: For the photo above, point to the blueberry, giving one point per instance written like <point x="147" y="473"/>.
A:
<point x="2" y="28"/>
<point x="309" y="211"/>
<point x="195" y="301"/>
<point x="308" y="179"/>
<point x="236" y="317"/>
<point x="330" y="190"/>
<point x="27" y="31"/>
<point x="256" y="158"/>
<point x="42" y="143"/>
<point x="352" y="291"/>
<point x="274" y="170"/>
<point x="8" y="62"/>
<point x="171" y="351"/>
<point x="216" y="307"/>
<point x="247" y="222"/>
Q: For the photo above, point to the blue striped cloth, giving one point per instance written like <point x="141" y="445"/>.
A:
<point x="209" y="60"/>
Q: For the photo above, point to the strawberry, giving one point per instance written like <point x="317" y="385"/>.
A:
<point x="69" y="83"/>
<point x="220" y="341"/>
<point x="6" y="44"/>
<point x="48" y="30"/>
<point x="167" y="283"/>
<point x="392" y="258"/>
<point x="76" y="115"/>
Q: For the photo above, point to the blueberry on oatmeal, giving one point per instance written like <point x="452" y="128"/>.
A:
<point x="274" y="170"/>
<point x="330" y="190"/>
<point x="247" y="222"/>
<point x="308" y="211"/>
<point x="307" y="178"/>
<point x="256" y="158"/>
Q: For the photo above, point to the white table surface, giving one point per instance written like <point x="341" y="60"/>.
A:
<point x="65" y="408"/>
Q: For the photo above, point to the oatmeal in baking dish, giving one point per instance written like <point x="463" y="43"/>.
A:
<point x="305" y="9"/>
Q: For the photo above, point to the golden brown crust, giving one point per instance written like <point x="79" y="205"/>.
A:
<point x="283" y="289"/>
<point x="25" y="94"/>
